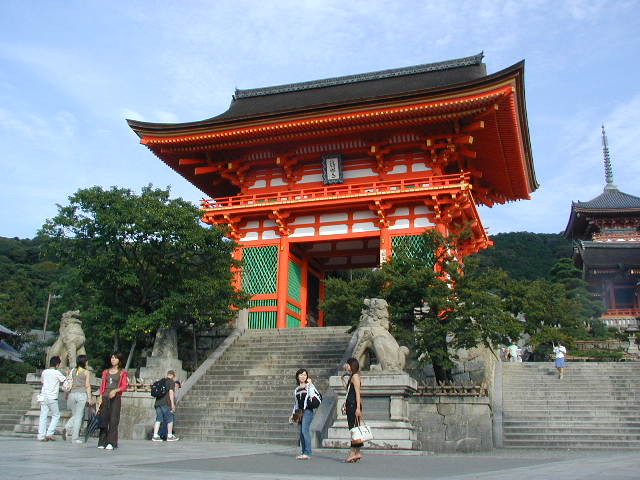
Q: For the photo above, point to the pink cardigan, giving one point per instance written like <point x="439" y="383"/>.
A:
<point x="124" y="381"/>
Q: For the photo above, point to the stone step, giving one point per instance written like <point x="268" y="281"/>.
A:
<point x="573" y="436"/>
<point x="511" y="431"/>
<point x="573" y="444"/>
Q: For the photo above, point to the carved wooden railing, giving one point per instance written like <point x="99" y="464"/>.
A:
<point x="336" y="191"/>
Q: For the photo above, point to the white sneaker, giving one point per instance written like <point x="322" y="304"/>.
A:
<point x="109" y="447"/>
<point x="156" y="438"/>
<point x="101" y="447"/>
<point x="78" y="441"/>
<point x="172" y="438"/>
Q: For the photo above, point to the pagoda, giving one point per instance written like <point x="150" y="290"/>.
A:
<point x="339" y="173"/>
<point x="606" y="237"/>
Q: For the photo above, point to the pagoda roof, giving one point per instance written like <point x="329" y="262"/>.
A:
<point x="609" y="254"/>
<point x="279" y="99"/>
<point x="610" y="203"/>
<point x="428" y="93"/>
<point x="610" y="199"/>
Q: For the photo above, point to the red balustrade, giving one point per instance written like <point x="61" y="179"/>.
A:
<point x="336" y="191"/>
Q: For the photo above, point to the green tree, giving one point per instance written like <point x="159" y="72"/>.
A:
<point x="141" y="262"/>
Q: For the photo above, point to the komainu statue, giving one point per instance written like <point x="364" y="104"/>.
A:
<point x="373" y="334"/>
<point x="70" y="342"/>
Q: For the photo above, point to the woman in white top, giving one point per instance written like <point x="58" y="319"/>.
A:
<point x="51" y="379"/>
<point x="305" y="398"/>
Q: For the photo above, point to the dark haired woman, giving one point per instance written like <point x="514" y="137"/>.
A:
<point x="114" y="382"/>
<point x="302" y="395"/>
<point x="353" y="404"/>
<point x="79" y="396"/>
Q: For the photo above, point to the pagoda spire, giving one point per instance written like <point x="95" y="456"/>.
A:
<point x="608" y="171"/>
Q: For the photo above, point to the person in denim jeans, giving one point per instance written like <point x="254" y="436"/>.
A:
<point x="302" y="395"/>
<point x="165" y="408"/>
<point x="51" y="379"/>
<point x="79" y="396"/>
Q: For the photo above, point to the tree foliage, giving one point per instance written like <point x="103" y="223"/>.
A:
<point x="138" y="262"/>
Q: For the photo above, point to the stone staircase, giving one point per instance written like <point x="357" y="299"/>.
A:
<point x="595" y="405"/>
<point x="247" y="395"/>
<point x="15" y="400"/>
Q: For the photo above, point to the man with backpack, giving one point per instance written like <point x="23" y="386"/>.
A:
<point x="164" y="392"/>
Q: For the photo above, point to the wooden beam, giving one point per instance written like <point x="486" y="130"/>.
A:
<point x="472" y="127"/>
<point x="190" y="161"/>
<point x="203" y="170"/>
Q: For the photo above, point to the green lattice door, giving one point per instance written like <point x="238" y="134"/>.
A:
<point x="259" y="277"/>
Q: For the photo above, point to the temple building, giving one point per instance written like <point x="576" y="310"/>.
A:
<point x="606" y="235"/>
<point x="341" y="172"/>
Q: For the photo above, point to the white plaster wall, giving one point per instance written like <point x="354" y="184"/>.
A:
<point x="421" y="210"/>
<point x="359" y="173"/>
<point x="400" y="212"/>
<point x="250" y="236"/>
<point x="314" y="177"/>
<point x="259" y="184"/>
<point x="400" y="223"/>
<point x="364" y="227"/>
<point x="422" y="222"/>
<point x="252" y="224"/>
<point x="398" y="169"/>
<point x="363" y="214"/>
<point x="303" y="232"/>
<point x="303" y="219"/>
<point x="419" y="167"/>
<point x="334" y="217"/>
<point x="269" y="234"/>
<point x="277" y="182"/>
<point x="333" y="229"/>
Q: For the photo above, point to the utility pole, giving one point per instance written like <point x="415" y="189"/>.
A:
<point x="46" y="315"/>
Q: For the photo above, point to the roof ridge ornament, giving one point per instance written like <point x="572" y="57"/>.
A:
<point x="608" y="171"/>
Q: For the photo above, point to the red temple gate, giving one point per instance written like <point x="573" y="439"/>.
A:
<point x="337" y="173"/>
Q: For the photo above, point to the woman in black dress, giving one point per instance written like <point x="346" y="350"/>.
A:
<point x="353" y="404"/>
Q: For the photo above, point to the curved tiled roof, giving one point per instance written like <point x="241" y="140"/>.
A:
<point x="610" y="199"/>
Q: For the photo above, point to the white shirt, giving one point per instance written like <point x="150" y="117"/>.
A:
<point x="559" y="351"/>
<point x="51" y="379"/>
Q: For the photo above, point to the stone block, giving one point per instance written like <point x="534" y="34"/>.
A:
<point x="468" y="445"/>
<point x="446" y="408"/>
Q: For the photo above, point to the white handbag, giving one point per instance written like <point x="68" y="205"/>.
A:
<point x="361" y="434"/>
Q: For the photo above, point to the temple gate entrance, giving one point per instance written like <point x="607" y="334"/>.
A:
<point x="337" y="173"/>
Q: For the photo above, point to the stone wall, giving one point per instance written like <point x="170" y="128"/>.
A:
<point x="207" y="343"/>
<point x="452" y="424"/>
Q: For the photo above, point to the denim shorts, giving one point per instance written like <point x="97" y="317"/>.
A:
<point x="164" y="414"/>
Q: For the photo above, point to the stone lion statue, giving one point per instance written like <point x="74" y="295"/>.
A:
<point x="373" y="334"/>
<point x="70" y="342"/>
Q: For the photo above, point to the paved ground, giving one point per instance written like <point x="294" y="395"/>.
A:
<point x="28" y="459"/>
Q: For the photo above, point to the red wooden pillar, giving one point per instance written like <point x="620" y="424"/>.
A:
<point x="385" y="245"/>
<point x="304" y="273"/>
<point x="283" y="282"/>
<point x="237" y="273"/>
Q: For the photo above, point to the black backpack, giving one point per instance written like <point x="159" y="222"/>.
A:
<point x="314" y="402"/>
<point x="159" y="388"/>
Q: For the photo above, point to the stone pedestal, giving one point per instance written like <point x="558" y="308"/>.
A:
<point x="164" y="357"/>
<point x="385" y="399"/>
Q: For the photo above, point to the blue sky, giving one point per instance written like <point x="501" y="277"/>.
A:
<point x="72" y="71"/>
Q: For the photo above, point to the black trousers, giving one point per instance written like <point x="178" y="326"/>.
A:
<point x="351" y="421"/>
<point x="110" y="412"/>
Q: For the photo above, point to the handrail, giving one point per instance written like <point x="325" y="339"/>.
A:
<point x="342" y="190"/>
<point x="621" y="311"/>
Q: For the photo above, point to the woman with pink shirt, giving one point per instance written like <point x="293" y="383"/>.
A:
<point x="114" y="382"/>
